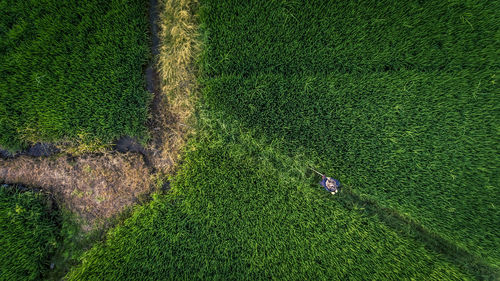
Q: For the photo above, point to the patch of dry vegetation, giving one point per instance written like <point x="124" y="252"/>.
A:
<point x="94" y="186"/>
<point x="174" y="109"/>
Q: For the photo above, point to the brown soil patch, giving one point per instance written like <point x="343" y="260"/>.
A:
<point x="93" y="187"/>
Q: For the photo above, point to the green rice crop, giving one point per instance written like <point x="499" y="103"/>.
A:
<point x="72" y="71"/>
<point x="400" y="101"/>
<point x="27" y="234"/>
<point x="241" y="211"/>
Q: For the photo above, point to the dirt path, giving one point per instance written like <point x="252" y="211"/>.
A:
<point x="160" y="115"/>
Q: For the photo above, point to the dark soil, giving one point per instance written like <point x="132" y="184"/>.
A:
<point x="4" y="154"/>
<point x="42" y="149"/>
<point x="128" y="144"/>
<point x="20" y="187"/>
<point x="153" y="19"/>
<point x="155" y="124"/>
<point x="39" y="149"/>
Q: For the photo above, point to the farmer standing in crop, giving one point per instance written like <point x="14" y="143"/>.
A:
<point x="330" y="184"/>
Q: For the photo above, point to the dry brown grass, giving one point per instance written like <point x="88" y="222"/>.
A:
<point x="178" y="49"/>
<point x="94" y="187"/>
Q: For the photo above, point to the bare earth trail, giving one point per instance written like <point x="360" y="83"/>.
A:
<point x="92" y="186"/>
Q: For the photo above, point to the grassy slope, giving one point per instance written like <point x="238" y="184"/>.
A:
<point x="72" y="71"/>
<point x="241" y="210"/>
<point x="399" y="101"/>
<point x="27" y="235"/>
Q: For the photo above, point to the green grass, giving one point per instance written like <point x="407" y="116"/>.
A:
<point x="398" y="101"/>
<point x="72" y="243"/>
<point x="28" y="234"/>
<point x="39" y="240"/>
<point x="422" y="155"/>
<point x="293" y="37"/>
<point x="72" y="71"/>
<point x="240" y="210"/>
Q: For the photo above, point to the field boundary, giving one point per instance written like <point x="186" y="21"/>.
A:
<point x="174" y="107"/>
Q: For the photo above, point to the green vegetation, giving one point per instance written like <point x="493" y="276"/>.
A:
<point x="27" y="234"/>
<point x="398" y="101"/>
<point x="240" y="210"/>
<point x="72" y="71"/>
<point x="72" y="243"/>
<point x="36" y="236"/>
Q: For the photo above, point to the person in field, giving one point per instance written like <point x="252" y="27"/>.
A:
<point x="330" y="184"/>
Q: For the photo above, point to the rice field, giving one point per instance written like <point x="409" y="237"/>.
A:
<point x="399" y="101"/>
<point x="396" y="100"/>
<point x="72" y="72"/>
<point x="28" y="236"/>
